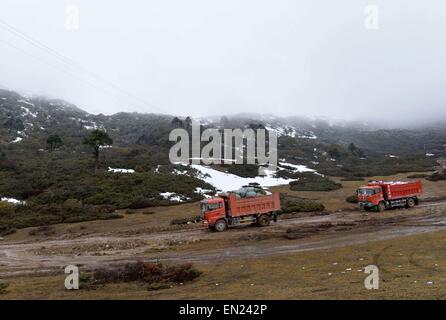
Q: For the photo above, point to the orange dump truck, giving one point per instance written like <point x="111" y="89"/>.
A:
<point x="382" y="195"/>
<point x="229" y="209"/>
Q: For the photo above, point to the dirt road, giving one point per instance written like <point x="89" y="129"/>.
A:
<point x="190" y="244"/>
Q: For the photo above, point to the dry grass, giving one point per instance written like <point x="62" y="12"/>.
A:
<point x="131" y="223"/>
<point x="407" y="265"/>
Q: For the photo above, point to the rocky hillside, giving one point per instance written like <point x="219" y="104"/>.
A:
<point x="43" y="183"/>
<point x="333" y="148"/>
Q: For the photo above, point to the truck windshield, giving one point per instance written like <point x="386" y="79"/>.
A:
<point x="210" y="206"/>
<point x="367" y="192"/>
<point x="213" y="206"/>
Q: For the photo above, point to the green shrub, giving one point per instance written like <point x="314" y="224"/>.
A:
<point x="243" y="170"/>
<point x="286" y="174"/>
<point x="352" y="178"/>
<point x="417" y="176"/>
<point x="293" y="204"/>
<point x="154" y="274"/>
<point x="437" y="176"/>
<point x="159" y="286"/>
<point x="352" y="199"/>
<point x="313" y="182"/>
<point x="6" y="231"/>
<point x="42" y="215"/>
<point x="72" y="204"/>
<point x="142" y="203"/>
<point x="185" y="220"/>
<point x="6" y="208"/>
<point x="44" y="230"/>
<point x="3" y="286"/>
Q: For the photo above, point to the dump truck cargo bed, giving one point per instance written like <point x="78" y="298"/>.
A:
<point x="250" y="205"/>
<point x="398" y="189"/>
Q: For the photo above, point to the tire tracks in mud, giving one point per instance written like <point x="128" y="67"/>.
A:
<point x="21" y="257"/>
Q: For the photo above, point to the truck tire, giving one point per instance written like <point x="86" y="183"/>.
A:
<point x="221" y="225"/>
<point x="263" y="220"/>
<point x="381" y="207"/>
<point x="410" y="203"/>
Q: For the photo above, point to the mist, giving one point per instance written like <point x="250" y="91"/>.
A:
<point x="202" y="58"/>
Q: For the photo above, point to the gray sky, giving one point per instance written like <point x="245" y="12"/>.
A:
<point x="208" y="57"/>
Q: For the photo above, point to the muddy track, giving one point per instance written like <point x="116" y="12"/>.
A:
<point x="18" y="258"/>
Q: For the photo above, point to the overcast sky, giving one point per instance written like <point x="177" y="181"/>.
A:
<point x="211" y="57"/>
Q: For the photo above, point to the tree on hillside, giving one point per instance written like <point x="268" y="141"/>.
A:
<point x="188" y="122"/>
<point x="97" y="139"/>
<point x="54" y="141"/>
<point x="334" y="153"/>
<point x="177" y="123"/>
<point x="14" y="124"/>
<point x="355" y="150"/>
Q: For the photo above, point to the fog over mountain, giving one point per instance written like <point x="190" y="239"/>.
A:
<point x="204" y="58"/>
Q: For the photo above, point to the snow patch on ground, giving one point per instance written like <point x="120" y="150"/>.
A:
<point x="18" y="139"/>
<point x="308" y="135"/>
<point x="118" y="170"/>
<point x="430" y="155"/>
<point x="290" y="131"/>
<point x="282" y="131"/>
<point x="28" y="112"/>
<point x="204" y="192"/>
<point x="25" y="102"/>
<point x="296" y="167"/>
<point x="172" y="196"/>
<point x="12" y="200"/>
<point x="93" y="127"/>
<point x="227" y="181"/>
<point x="178" y="172"/>
<point x="88" y="124"/>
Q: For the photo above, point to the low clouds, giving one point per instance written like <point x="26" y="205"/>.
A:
<point x="313" y="58"/>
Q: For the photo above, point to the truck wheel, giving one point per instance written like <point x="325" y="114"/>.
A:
<point x="410" y="203"/>
<point x="221" y="225"/>
<point x="381" y="207"/>
<point x="263" y="220"/>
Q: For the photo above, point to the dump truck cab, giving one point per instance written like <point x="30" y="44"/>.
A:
<point x="369" y="197"/>
<point x="212" y="210"/>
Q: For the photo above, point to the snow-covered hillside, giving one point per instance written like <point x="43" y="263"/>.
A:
<point x="224" y="181"/>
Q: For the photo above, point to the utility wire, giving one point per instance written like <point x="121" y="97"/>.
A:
<point x="71" y="62"/>
<point x="64" y="71"/>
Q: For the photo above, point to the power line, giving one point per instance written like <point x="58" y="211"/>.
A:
<point x="71" y="62"/>
<point x="62" y="70"/>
